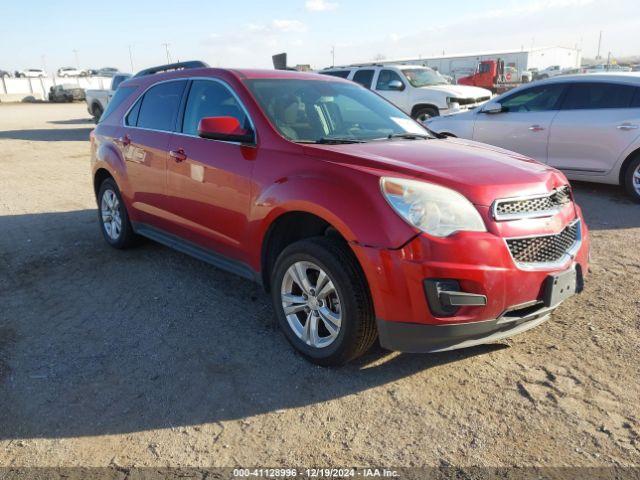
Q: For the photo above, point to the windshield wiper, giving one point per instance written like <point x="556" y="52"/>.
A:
<point x="336" y="141"/>
<point x="409" y="136"/>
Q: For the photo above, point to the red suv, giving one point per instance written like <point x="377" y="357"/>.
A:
<point x="358" y="220"/>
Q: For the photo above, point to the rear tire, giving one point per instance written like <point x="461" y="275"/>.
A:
<point x="113" y="217"/>
<point x="330" y="320"/>
<point x="97" y="113"/>
<point x="632" y="179"/>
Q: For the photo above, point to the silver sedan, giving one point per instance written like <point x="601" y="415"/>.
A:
<point x="588" y="126"/>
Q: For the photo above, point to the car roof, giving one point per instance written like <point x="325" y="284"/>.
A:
<point x="619" y="77"/>
<point x="403" y="66"/>
<point x="240" y="74"/>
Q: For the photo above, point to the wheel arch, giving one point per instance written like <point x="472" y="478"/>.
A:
<point x="418" y="106"/>
<point x="625" y="164"/>
<point x="287" y="228"/>
<point x="100" y="175"/>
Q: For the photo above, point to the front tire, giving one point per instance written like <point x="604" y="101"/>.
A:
<point x="632" y="179"/>
<point x="113" y="217"/>
<point x="322" y="301"/>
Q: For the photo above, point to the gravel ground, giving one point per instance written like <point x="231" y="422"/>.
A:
<point x="150" y="358"/>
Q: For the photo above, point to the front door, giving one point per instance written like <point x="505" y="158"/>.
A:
<point x="208" y="181"/>
<point x="523" y="126"/>
<point x="389" y="84"/>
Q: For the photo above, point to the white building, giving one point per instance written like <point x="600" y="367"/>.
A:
<point x="465" y="64"/>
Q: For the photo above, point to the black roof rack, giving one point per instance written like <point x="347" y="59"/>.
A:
<point x="170" y="67"/>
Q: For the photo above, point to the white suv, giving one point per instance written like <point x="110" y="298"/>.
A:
<point x="420" y="91"/>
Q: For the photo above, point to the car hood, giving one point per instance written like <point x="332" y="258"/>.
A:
<point x="480" y="172"/>
<point x="460" y="91"/>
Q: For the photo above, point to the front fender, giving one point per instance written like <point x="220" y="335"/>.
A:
<point x="351" y="203"/>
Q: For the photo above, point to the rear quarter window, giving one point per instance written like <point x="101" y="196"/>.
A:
<point x="118" y="98"/>
<point x="594" y="96"/>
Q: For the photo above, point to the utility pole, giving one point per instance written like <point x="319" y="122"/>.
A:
<point x="598" y="57"/>
<point x="333" y="56"/>
<point x="75" y="53"/>
<point x="131" y="58"/>
<point x="44" y="62"/>
<point x="166" y="47"/>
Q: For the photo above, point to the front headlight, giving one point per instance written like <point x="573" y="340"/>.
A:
<point x="453" y="103"/>
<point x="435" y="210"/>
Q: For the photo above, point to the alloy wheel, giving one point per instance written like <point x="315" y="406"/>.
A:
<point x="110" y="211"/>
<point x="636" y="180"/>
<point x="311" y="304"/>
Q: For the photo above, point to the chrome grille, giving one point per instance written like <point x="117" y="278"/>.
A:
<point x="532" y="206"/>
<point x="548" y="249"/>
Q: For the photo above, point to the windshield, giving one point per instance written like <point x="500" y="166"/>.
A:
<point x="317" y="111"/>
<point x="423" y="77"/>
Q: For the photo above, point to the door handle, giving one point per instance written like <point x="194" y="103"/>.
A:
<point x="124" y="140"/>
<point x="627" y="126"/>
<point x="536" y="128"/>
<point x="178" y="155"/>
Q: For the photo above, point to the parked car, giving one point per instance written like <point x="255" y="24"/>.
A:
<point x="359" y="222"/>
<point x="550" y="72"/>
<point x="588" y="126"/>
<point x="66" y="93"/>
<point x="419" y="91"/>
<point x="69" y="72"/>
<point x="604" y="68"/>
<point x="5" y="74"/>
<point x="107" y="72"/>
<point x="31" y="73"/>
<point x="97" y="100"/>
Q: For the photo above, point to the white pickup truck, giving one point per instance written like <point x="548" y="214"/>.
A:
<point x="97" y="100"/>
<point x="420" y="91"/>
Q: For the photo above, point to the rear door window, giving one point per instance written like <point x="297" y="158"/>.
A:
<point x="364" y="77"/>
<point x="160" y="105"/>
<point x="594" y="96"/>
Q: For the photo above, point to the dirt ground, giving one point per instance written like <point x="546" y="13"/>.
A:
<point x="151" y="358"/>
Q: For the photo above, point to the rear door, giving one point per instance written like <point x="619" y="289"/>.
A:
<point x="596" y="124"/>
<point x="149" y="124"/>
<point x="209" y="181"/>
<point x="523" y="126"/>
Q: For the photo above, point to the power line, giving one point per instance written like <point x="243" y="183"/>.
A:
<point x="166" y="47"/>
<point x="131" y="57"/>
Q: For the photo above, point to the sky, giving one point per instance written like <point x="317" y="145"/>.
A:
<point x="246" y="33"/>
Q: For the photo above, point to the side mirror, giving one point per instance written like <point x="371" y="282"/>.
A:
<point x="224" y="128"/>
<point x="395" y="85"/>
<point x="493" y="107"/>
